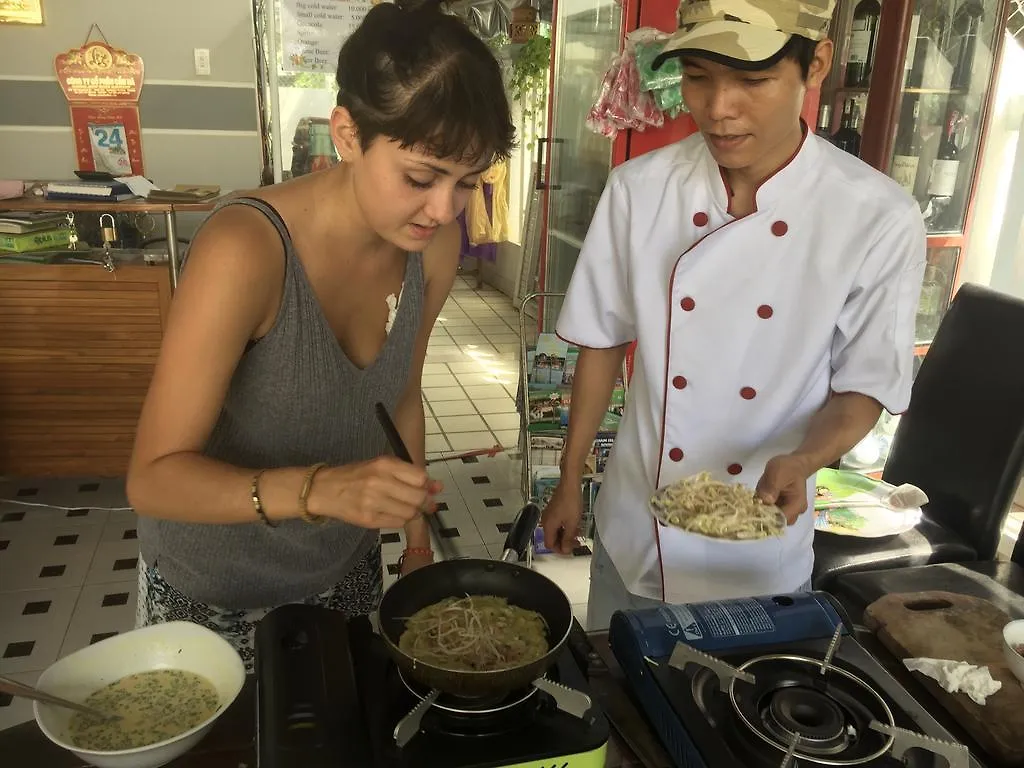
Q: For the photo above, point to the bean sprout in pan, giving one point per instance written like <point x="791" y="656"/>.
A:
<point x="476" y="633"/>
<point x="718" y="510"/>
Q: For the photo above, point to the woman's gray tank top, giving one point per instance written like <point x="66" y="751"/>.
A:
<point x="295" y="399"/>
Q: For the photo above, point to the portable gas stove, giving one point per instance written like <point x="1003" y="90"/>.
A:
<point x="329" y="696"/>
<point x="774" y="681"/>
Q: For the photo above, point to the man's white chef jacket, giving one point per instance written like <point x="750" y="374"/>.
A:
<point x="743" y="326"/>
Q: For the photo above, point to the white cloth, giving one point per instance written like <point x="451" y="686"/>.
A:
<point x="742" y="327"/>
<point x="958" y="677"/>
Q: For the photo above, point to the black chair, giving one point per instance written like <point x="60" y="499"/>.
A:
<point x="961" y="441"/>
<point x="1001" y="583"/>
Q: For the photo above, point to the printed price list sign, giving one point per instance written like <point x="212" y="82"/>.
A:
<point x="313" y="31"/>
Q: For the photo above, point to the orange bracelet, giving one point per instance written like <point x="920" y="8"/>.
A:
<point x="414" y="551"/>
<point x="418" y="551"/>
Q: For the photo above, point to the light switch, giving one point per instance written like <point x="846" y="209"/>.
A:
<point x="202" y="56"/>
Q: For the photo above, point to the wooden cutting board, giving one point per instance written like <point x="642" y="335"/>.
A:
<point x="944" y="625"/>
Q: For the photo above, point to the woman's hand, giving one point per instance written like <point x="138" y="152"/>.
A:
<point x="411" y="560"/>
<point x="381" y="493"/>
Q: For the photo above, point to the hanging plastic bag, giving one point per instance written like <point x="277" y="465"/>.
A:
<point x="633" y="95"/>
<point x="598" y="119"/>
<point x="668" y="75"/>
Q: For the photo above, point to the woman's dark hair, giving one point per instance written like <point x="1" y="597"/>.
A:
<point x="419" y="76"/>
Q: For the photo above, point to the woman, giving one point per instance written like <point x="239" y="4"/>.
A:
<point x="259" y="471"/>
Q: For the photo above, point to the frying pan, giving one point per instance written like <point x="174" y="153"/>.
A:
<point x="521" y="586"/>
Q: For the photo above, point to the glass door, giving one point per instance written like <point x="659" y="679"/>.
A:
<point x="577" y="161"/>
<point x="946" y="77"/>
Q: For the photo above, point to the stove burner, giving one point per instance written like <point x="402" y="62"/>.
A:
<point x="462" y="705"/>
<point x="818" y="720"/>
<point x="831" y="713"/>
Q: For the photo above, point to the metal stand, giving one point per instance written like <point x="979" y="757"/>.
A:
<point x="171" y="224"/>
<point x="525" y="443"/>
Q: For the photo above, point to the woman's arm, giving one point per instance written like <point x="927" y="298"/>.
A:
<point x="229" y="294"/>
<point x="440" y="265"/>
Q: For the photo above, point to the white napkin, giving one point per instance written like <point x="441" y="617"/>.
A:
<point x="957" y="676"/>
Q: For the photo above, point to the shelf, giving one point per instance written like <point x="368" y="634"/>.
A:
<point x="941" y="91"/>
<point x="138" y="205"/>
<point x="566" y="238"/>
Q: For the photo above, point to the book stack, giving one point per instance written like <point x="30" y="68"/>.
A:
<point x="111" y="191"/>
<point x="551" y="368"/>
<point x="29" y="232"/>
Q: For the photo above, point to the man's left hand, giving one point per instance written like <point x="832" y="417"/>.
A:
<point x="784" y="484"/>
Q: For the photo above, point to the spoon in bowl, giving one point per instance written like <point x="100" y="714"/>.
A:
<point x="902" y="497"/>
<point x="28" y="692"/>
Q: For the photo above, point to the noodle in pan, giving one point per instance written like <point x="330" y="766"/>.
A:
<point x="717" y="510"/>
<point x="476" y="633"/>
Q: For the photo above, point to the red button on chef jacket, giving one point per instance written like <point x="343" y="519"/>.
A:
<point x="748" y="393"/>
<point x="765" y="311"/>
<point x="679" y="382"/>
<point x="676" y="454"/>
<point x="687" y="304"/>
<point x="734" y="469"/>
<point x="780" y="228"/>
<point x="700" y="219"/>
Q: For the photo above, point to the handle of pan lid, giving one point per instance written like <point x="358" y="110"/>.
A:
<point x="520" y="535"/>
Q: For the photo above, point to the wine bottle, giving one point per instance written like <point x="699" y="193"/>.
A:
<point x="907" y="153"/>
<point x="968" y="22"/>
<point x="864" y="30"/>
<point x="946" y="166"/>
<point x="910" y="58"/>
<point x="847" y="138"/>
<point x="825" y="122"/>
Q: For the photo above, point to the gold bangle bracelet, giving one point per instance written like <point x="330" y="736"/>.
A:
<point x="257" y="503"/>
<point x="307" y="487"/>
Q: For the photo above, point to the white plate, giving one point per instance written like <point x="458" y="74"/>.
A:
<point x="656" y="513"/>
<point x="866" y="522"/>
<point x="874" y="522"/>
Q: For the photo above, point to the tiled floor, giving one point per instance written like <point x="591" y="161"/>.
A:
<point x="68" y="551"/>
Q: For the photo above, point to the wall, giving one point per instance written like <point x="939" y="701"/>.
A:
<point x="195" y="129"/>
<point x="995" y="249"/>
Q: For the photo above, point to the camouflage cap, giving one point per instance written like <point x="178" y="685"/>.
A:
<point x="745" y="32"/>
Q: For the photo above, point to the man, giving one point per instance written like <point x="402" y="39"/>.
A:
<point x="770" y="281"/>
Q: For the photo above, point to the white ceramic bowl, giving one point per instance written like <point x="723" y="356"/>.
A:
<point x="1013" y="634"/>
<point x="174" y="645"/>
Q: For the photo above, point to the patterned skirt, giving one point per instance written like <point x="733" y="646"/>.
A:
<point x="358" y="594"/>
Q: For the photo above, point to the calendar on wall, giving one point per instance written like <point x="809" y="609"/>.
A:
<point x="102" y="85"/>
<point x="21" y="11"/>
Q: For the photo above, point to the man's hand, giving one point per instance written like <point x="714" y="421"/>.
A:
<point x="784" y="484"/>
<point x="561" y="517"/>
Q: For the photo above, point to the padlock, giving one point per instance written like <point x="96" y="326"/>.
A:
<point x="109" y="231"/>
<point x="73" y="234"/>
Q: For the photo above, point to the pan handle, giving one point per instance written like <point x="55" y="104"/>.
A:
<point x="519" y="541"/>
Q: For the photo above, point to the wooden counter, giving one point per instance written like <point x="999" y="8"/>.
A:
<point x="138" y="205"/>
<point x="77" y="350"/>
